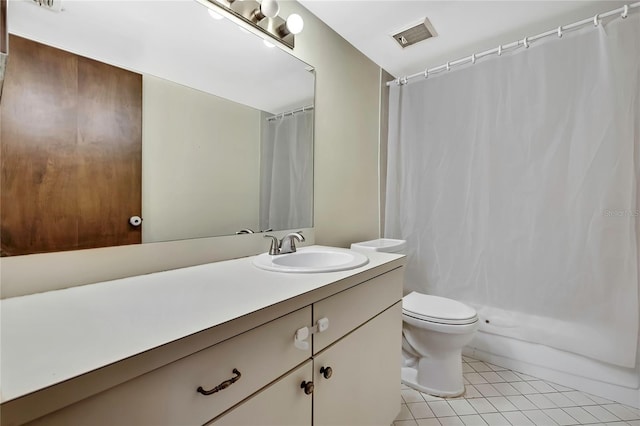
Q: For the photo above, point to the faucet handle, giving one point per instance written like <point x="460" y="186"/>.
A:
<point x="275" y="245"/>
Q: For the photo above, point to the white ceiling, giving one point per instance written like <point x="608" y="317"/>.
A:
<point x="175" y="40"/>
<point x="144" y="36"/>
<point x="463" y="27"/>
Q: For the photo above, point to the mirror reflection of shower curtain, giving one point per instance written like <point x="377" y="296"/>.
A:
<point x="515" y="182"/>
<point x="286" y="172"/>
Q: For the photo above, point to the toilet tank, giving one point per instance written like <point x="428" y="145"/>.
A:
<point x="387" y="245"/>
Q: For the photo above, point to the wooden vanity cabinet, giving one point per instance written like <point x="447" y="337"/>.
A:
<point x="169" y="395"/>
<point x="349" y="374"/>
<point x="357" y="359"/>
<point x="356" y="363"/>
<point x="357" y="380"/>
<point x="353" y="383"/>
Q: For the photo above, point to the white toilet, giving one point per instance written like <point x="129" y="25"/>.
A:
<point x="434" y="330"/>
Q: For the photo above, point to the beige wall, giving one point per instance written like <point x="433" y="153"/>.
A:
<point x="191" y="136"/>
<point x="346" y="181"/>
<point x="346" y="133"/>
<point x="384" y="141"/>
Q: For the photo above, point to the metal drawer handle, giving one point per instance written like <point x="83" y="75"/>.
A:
<point x="222" y="385"/>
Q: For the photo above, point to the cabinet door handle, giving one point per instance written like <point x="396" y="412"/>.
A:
<point x="222" y="385"/>
<point x="308" y="387"/>
<point x="326" y="372"/>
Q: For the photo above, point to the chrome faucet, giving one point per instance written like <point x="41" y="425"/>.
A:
<point x="286" y="245"/>
<point x="245" y="231"/>
<point x="251" y="231"/>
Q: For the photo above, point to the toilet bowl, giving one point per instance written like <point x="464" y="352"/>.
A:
<point x="434" y="331"/>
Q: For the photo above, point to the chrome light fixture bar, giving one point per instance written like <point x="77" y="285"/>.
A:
<point x="260" y="17"/>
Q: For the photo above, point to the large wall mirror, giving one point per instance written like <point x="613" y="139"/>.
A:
<point x="226" y="125"/>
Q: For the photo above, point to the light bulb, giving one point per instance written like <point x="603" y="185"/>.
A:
<point x="295" y="23"/>
<point x="215" y="15"/>
<point x="270" y="8"/>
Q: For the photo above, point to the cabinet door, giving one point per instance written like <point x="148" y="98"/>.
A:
<point x="281" y="403"/>
<point x="364" y="386"/>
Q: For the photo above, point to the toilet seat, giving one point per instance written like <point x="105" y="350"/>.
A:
<point x="439" y="310"/>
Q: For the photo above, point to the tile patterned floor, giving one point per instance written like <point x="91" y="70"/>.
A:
<point x="497" y="396"/>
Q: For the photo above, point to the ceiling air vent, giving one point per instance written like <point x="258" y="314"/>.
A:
<point x="415" y="34"/>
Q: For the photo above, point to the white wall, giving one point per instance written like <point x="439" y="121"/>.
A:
<point x="345" y="180"/>
<point x="191" y="136"/>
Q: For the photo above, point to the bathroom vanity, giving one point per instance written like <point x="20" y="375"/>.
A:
<point x="224" y="343"/>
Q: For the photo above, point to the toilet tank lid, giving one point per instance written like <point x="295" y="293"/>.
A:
<point x="387" y="245"/>
<point x="436" y="307"/>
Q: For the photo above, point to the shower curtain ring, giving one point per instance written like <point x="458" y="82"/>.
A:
<point x="499" y="50"/>
<point x="426" y="73"/>
<point x="625" y="12"/>
<point x="526" y="42"/>
<point x="448" y="66"/>
<point x="473" y="58"/>
<point x="560" y="31"/>
<point x="404" y="80"/>
<point x="595" y="20"/>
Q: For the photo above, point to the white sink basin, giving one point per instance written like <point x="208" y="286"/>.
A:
<point x="312" y="259"/>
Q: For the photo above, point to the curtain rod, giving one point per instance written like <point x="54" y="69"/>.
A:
<point x="287" y="113"/>
<point x="623" y="11"/>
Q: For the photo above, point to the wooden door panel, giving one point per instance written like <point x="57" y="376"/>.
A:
<point x="110" y="147"/>
<point x="39" y="109"/>
<point x="49" y="171"/>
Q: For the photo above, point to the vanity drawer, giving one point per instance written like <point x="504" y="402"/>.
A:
<point x="279" y="404"/>
<point x="355" y="306"/>
<point x="168" y="395"/>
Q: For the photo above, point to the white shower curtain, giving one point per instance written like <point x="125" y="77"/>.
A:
<point x="286" y="172"/>
<point x="515" y="183"/>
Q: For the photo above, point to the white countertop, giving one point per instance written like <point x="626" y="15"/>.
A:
<point x="50" y="337"/>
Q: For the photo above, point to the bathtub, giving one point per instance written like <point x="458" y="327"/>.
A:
<point x="564" y="368"/>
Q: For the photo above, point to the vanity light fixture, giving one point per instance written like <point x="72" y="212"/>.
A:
<point x="53" y="5"/>
<point x="260" y="17"/>
<point x="293" y="25"/>
<point x="267" y="9"/>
